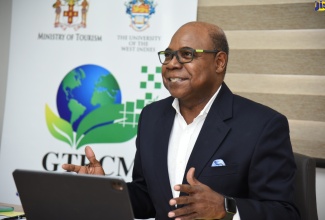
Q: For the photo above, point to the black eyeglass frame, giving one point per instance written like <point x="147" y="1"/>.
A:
<point x="175" y="53"/>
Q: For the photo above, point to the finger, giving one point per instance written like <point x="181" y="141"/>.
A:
<point x="185" y="188"/>
<point x="184" y="212"/>
<point x="94" y="167"/>
<point x="183" y="200"/>
<point x="71" y="167"/>
<point x="91" y="155"/>
<point x="188" y="217"/>
<point x="191" y="178"/>
<point x="184" y="217"/>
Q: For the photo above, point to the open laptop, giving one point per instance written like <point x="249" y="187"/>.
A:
<point x="69" y="196"/>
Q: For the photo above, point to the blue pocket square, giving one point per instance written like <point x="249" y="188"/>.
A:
<point x="218" y="163"/>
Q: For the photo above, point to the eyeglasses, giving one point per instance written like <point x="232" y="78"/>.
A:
<point x="183" y="55"/>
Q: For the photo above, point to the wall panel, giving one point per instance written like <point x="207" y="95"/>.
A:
<point x="261" y="17"/>
<point x="276" y="58"/>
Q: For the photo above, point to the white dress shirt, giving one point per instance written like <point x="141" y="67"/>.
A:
<point x="181" y="142"/>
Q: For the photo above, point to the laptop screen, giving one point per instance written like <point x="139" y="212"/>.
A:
<point x="54" y="195"/>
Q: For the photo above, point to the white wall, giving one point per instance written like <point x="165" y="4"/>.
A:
<point x="5" y="19"/>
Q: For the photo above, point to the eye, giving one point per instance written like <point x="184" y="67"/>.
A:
<point x="186" y="54"/>
<point x="167" y="54"/>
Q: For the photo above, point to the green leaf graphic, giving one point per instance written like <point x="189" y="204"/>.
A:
<point x="58" y="127"/>
<point x="100" y="117"/>
<point x="112" y="133"/>
<point x="108" y="124"/>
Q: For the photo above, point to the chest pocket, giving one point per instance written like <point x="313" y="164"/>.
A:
<point x="220" y="171"/>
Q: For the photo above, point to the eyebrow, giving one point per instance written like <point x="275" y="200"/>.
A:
<point x="180" y="48"/>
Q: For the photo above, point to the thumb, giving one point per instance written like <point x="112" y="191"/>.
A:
<point x="191" y="178"/>
<point x="91" y="155"/>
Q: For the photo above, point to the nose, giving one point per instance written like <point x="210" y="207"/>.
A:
<point x="174" y="62"/>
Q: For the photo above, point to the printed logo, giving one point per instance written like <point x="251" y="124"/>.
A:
<point x="319" y="6"/>
<point x="140" y="12"/>
<point x="71" y="14"/>
<point x="89" y="103"/>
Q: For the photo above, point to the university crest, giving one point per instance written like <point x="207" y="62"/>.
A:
<point x="140" y="12"/>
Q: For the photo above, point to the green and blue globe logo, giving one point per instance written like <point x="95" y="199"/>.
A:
<point x="90" y="108"/>
<point x="84" y="90"/>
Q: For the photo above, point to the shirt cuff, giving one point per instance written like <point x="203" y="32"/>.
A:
<point x="236" y="216"/>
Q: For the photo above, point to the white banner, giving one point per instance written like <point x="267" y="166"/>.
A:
<point x="79" y="74"/>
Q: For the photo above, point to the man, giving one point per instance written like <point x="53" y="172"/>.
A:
<point x="205" y="153"/>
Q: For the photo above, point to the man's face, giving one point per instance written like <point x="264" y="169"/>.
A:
<point x="195" y="81"/>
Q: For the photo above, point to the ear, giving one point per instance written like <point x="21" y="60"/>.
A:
<point x="221" y="61"/>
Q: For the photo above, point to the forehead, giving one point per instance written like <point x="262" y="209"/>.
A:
<point x="196" y="37"/>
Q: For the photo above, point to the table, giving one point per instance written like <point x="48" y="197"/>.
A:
<point x="17" y="208"/>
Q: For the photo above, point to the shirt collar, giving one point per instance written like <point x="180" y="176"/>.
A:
<point x="206" y="108"/>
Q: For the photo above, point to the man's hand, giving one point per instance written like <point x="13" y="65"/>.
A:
<point x="201" y="203"/>
<point x="93" y="167"/>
